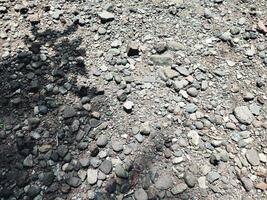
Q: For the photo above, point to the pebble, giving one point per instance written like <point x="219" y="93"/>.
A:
<point x="92" y="176"/>
<point x="140" y="194"/>
<point x="202" y="182"/>
<point x="120" y="171"/>
<point x="195" y="138"/>
<point x="106" y="167"/>
<point x="243" y="115"/>
<point x="253" y="157"/>
<point x="164" y="182"/>
<point x="213" y="176"/>
<point x="74" y="181"/>
<point x="247" y="183"/>
<point x="162" y="60"/>
<point x="128" y="106"/>
<point x="102" y="141"/>
<point x="69" y="112"/>
<point x="179" y="188"/>
<point x="145" y="128"/>
<point x="117" y="146"/>
<point x="106" y="16"/>
<point x="190" y="179"/>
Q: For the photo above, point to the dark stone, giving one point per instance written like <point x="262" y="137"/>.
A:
<point x="133" y="49"/>
<point x="69" y="112"/>
<point x="48" y="178"/>
<point x="24" y="145"/>
<point x="22" y="179"/>
<point x="214" y="160"/>
<point x="94" y="122"/>
<point x="94" y="150"/>
<point x="111" y="186"/>
<point x="33" y="191"/>
<point x="74" y="181"/>
<point x="62" y="150"/>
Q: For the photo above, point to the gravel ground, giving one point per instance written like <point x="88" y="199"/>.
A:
<point x="133" y="100"/>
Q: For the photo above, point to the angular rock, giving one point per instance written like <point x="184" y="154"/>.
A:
<point x="213" y="176"/>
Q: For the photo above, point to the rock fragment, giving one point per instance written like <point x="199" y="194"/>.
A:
<point x="243" y="115"/>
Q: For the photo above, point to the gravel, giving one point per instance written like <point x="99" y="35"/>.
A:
<point x="161" y="99"/>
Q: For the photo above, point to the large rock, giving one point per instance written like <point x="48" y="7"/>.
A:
<point x="243" y="115"/>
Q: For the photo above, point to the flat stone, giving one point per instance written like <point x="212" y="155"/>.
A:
<point x="195" y="138"/>
<point x="190" y="179"/>
<point x="191" y="108"/>
<point x="28" y="161"/>
<point x="106" y="167"/>
<point x="85" y="162"/>
<point x="202" y="182"/>
<point x="175" y="46"/>
<point x="170" y="73"/>
<point x="128" y="106"/>
<point x="117" y="146"/>
<point x="106" y="16"/>
<point x="74" y="181"/>
<point x="213" y="176"/>
<point x="247" y="183"/>
<point x="92" y="176"/>
<point x="261" y="186"/>
<point x="120" y="171"/>
<point x="179" y="188"/>
<point x="192" y="91"/>
<point x="140" y="194"/>
<point x="162" y="60"/>
<point x="164" y="182"/>
<point x="183" y="70"/>
<point x="178" y="85"/>
<point x="69" y="112"/>
<point x="253" y="157"/>
<point x="62" y="150"/>
<point x="243" y="115"/>
<point x="102" y="141"/>
<point x="145" y="128"/>
<point x="48" y="178"/>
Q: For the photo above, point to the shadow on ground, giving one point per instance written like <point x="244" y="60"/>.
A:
<point x="34" y="84"/>
<point x="35" y="144"/>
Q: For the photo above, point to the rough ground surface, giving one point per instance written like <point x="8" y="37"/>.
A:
<point x="133" y="99"/>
